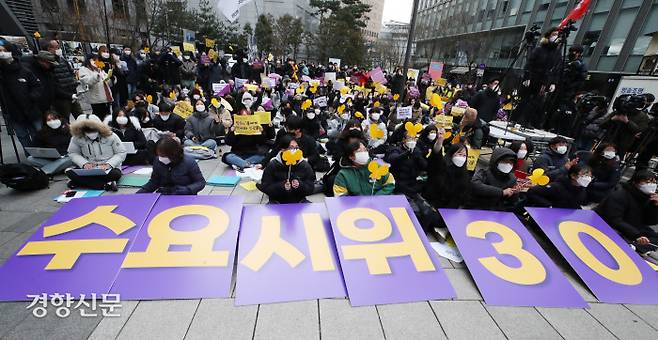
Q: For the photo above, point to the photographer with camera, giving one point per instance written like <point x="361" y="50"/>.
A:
<point x="625" y="125"/>
<point x="574" y="75"/>
<point x="649" y="142"/>
<point x="591" y="113"/>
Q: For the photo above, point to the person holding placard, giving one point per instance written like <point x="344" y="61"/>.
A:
<point x="201" y="129"/>
<point x="174" y="173"/>
<point x="631" y="209"/>
<point x="566" y="192"/>
<point x="247" y="150"/>
<point x="284" y="182"/>
<point x="354" y="178"/>
<point x="493" y="187"/>
<point x="95" y="146"/>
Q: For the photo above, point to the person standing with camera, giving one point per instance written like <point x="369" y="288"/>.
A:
<point x="626" y="124"/>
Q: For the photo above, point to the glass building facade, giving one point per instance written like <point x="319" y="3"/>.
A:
<point x="615" y="34"/>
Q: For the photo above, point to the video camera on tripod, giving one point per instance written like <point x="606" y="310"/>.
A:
<point x="589" y="101"/>
<point x="629" y="104"/>
<point x="532" y="34"/>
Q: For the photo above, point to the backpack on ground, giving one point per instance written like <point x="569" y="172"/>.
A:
<point x="23" y="177"/>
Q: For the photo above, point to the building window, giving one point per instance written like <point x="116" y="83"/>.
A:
<point x="77" y="6"/>
<point x="589" y="42"/>
<point x="49" y="6"/>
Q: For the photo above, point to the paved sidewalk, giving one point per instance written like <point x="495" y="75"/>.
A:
<point x="468" y="317"/>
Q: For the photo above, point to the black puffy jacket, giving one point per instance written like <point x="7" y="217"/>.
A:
<point x="21" y="90"/>
<point x="275" y="176"/>
<point x="629" y="211"/>
<point x="64" y="80"/>
<point x="488" y="184"/>
<point x="558" y="194"/>
<point x="406" y="166"/>
<point x="544" y="64"/>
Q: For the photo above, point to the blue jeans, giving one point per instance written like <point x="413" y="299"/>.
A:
<point x="242" y="163"/>
<point x="209" y="143"/>
<point x="132" y="88"/>
<point x="50" y="166"/>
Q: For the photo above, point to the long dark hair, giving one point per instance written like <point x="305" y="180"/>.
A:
<point x="113" y="123"/>
<point x="170" y="148"/>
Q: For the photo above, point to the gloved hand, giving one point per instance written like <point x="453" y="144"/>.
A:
<point x="165" y="190"/>
<point x="74" y="98"/>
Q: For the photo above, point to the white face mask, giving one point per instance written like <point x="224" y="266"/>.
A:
<point x="410" y="144"/>
<point x="310" y="115"/>
<point x="247" y="103"/>
<point x="649" y="188"/>
<point x="431" y="136"/>
<point x="200" y="108"/>
<point x="562" y="149"/>
<point x="521" y="154"/>
<point x="165" y="117"/>
<point x="609" y="154"/>
<point x="317" y="112"/>
<point x="459" y="161"/>
<point x="58" y="52"/>
<point x="345" y="116"/>
<point x="123" y="120"/>
<point x="185" y="91"/>
<point x="54" y="124"/>
<point x="164" y="160"/>
<point x="361" y="157"/>
<point x="92" y="135"/>
<point x="584" y="181"/>
<point x="375" y="117"/>
<point x="505" y="168"/>
<point x="142" y="55"/>
<point x="187" y="57"/>
<point x="127" y="52"/>
<point x="105" y="55"/>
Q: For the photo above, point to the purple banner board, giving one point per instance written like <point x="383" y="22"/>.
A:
<point x="602" y="259"/>
<point x="287" y="253"/>
<point x="185" y="250"/>
<point x="384" y="253"/>
<point x="508" y="265"/>
<point x="79" y="250"/>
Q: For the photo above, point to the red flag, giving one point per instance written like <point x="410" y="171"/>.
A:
<point x="576" y="13"/>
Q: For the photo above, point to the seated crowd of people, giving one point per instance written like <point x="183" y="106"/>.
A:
<point x="353" y="139"/>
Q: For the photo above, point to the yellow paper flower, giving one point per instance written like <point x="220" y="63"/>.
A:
<point x="344" y="90"/>
<point x="381" y="89"/>
<point x="376" y="132"/>
<point x="377" y="171"/>
<point x="172" y="95"/>
<point x="447" y="135"/>
<point x="214" y="102"/>
<point x="436" y="101"/>
<point x="300" y="90"/>
<point x="538" y="177"/>
<point x="306" y="104"/>
<point x="291" y="158"/>
<point x="149" y="99"/>
<point x="377" y="104"/>
<point x="413" y="130"/>
<point x="341" y="109"/>
<point x="313" y="89"/>
<point x="359" y="115"/>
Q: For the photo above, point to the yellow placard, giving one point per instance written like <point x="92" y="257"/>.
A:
<point x="176" y="50"/>
<point x="472" y="160"/>
<point x="247" y="125"/>
<point x="457" y="111"/>
<point x="183" y="109"/>
<point x="249" y="186"/>
<point x="189" y="47"/>
<point x="210" y="43"/>
<point x="444" y="122"/>
<point x="264" y="117"/>
<point x="441" y="82"/>
<point x="251" y="87"/>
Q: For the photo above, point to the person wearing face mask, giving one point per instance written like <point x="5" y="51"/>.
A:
<point x="94" y="146"/>
<point x="427" y="139"/>
<point x="567" y="192"/>
<point x="132" y="70"/>
<point x="287" y="184"/>
<point x="295" y="127"/>
<point x="487" y="101"/>
<point x="119" y="77"/>
<point x="54" y="134"/>
<point x="65" y="82"/>
<point x="407" y="163"/>
<point x="169" y="123"/>
<point x="541" y="74"/>
<point x="523" y="163"/>
<point x="174" y="172"/>
<point x="201" y="129"/>
<point x="99" y="94"/>
<point x="448" y="184"/>
<point x="21" y="90"/>
<point x="170" y="67"/>
<point x="376" y="144"/>
<point x="188" y="71"/>
<point x="43" y="66"/>
<point x="106" y="59"/>
<point x="606" y="170"/>
<point x="247" y="151"/>
<point x="492" y="188"/>
<point x="311" y="123"/>
<point x="555" y="160"/>
<point x="122" y="125"/>
<point x="632" y="208"/>
<point x="353" y="179"/>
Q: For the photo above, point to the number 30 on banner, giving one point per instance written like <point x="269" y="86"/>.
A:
<point x="531" y="271"/>
<point x="627" y="272"/>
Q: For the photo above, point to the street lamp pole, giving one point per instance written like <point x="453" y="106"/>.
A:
<point x="412" y="31"/>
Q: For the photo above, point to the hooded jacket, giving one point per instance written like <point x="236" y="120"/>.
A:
<point x="488" y="184"/>
<point x="107" y="148"/>
<point x="558" y="194"/>
<point x="276" y="174"/>
<point x="355" y="181"/>
<point x="184" y="177"/>
<point x="552" y="163"/>
<point x="406" y="166"/>
<point x="201" y="126"/>
<point x="629" y="211"/>
<point x="447" y="185"/>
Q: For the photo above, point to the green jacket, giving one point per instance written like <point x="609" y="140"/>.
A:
<point x="355" y="181"/>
